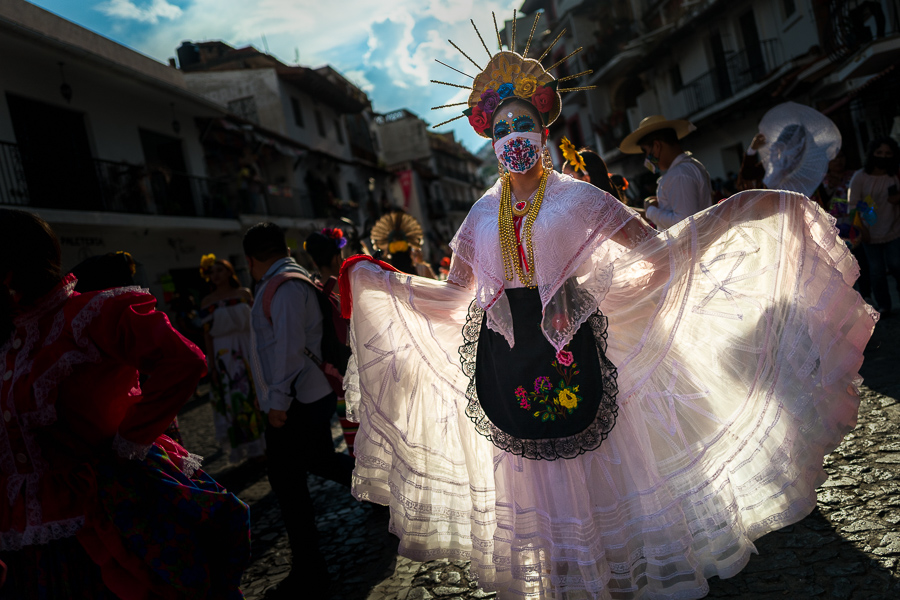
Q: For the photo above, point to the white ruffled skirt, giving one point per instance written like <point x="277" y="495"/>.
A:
<point x="738" y="340"/>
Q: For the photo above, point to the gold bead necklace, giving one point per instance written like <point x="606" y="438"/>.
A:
<point x="509" y="244"/>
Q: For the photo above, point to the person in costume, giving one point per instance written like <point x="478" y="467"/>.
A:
<point x="791" y="151"/>
<point x="286" y="350"/>
<point x="875" y="194"/>
<point x="684" y="188"/>
<point x="112" y="270"/>
<point x="589" y="408"/>
<point x="225" y="314"/>
<point x="396" y="235"/>
<point x="97" y="503"/>
<point x="586" y="165"/>
<point x="325" y="248"/>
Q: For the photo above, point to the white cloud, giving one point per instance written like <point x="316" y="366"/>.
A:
<point x="152" y="13"/>
<point x="387" y="48"/>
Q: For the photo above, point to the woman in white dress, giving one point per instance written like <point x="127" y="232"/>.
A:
<point x="592" y="409"/>
<point x="226" y="322"/>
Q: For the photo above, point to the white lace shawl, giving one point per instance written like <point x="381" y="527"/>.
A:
<point x="573" y="262"/>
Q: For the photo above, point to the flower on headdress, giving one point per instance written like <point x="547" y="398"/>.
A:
<point x="335" y="234"/>
<point x="506" y="90"/>
<point x="543" y="98"/>
<point x="489" y="101"/>
<point x="571" y="155"/>
<point x="526" y="86"/>
<point x="206" y="263"/>
<point x="445" y="262"/>
<point x="478" y="119"/>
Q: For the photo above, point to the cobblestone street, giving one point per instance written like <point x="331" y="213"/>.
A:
<point x="849" y="547"/>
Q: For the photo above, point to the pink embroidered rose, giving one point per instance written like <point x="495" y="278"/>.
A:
<point x="478" y="119"/>
<point x="520" y="392"/>
<point x="543" y="98"/>
<point x="565" y="358"/>
<point x="489" y="101"/>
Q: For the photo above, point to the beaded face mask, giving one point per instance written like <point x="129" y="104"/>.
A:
<point x="519" y="152"/>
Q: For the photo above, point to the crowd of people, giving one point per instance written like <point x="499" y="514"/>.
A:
<point x="587" y="400"/>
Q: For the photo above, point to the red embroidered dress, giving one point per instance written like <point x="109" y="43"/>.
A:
<point x="69" y="389"/>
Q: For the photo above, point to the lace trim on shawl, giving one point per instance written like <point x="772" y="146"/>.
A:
<point x="191" y="463"/>
<point x="13" y="540"/>
<point x="52" y="300"/>
<point x="130" y="450"/>
<point x="548" y="449"/>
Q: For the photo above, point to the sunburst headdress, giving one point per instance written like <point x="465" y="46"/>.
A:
<point x="510" y="75"/>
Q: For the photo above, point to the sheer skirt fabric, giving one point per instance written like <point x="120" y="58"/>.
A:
<point x="737" y="337"/>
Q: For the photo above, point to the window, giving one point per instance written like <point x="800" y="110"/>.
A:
<point x="298" y="114"/>
<point x="244" y="108"/>
<point x="675" y="79"/>
<point x="320" y="125"/>
<point x="337" y="129"/>
<point x="789" y="7"/>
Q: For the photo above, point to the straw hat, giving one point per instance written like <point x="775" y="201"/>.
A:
<point x="799" y="143"/>
<point x="629" y="145"/>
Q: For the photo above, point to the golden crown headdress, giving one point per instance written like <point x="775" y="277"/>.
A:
<point x="510" y="75"/>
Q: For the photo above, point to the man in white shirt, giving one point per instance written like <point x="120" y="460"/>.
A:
<point x="684" y="188"/>
<point x="298" y="400"/>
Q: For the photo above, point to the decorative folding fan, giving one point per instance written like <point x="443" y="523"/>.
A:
<point x="396" y="232"/>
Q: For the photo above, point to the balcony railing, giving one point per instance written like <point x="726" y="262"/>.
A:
<point x="739" y="71"/>
<point x="13" y="186"/>
<point x="137" y="189"/>
<point x="852" y="24"/>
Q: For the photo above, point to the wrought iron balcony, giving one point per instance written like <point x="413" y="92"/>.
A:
<point x="739" y="71"/>
<point x="848" y="25"/>
<point x="109" y="186"/>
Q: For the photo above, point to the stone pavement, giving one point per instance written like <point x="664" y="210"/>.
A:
<point x="848" y="548"/>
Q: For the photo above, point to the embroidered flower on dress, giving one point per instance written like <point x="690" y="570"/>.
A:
<point x="548" y="403"/>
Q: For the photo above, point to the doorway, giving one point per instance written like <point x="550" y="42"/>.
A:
<point x="56" y="155"/>
<point x="170" y="184"/>
<point x="755" y="60"/>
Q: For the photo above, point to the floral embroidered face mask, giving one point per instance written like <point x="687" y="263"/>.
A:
<point x="519" y="151"/>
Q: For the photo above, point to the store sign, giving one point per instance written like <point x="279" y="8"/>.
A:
<point x="80" y="242"/>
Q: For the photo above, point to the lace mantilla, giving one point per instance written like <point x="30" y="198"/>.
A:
<point x="549" y="449"/>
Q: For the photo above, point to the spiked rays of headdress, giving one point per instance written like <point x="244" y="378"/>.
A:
<point x="510" y="74"/>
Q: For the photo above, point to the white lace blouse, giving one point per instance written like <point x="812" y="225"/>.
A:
<point x="571" y="254"/>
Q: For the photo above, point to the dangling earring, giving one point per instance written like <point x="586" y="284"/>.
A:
<point x="500" y="169"/>
<point x="547" y="160"/>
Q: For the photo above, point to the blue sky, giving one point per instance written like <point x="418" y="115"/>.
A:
<point x="387" y="48"/>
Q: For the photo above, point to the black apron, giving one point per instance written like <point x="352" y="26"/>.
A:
<point x="528" y="399"/>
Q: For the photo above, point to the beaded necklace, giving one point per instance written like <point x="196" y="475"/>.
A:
<point x="509" y="239"/>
